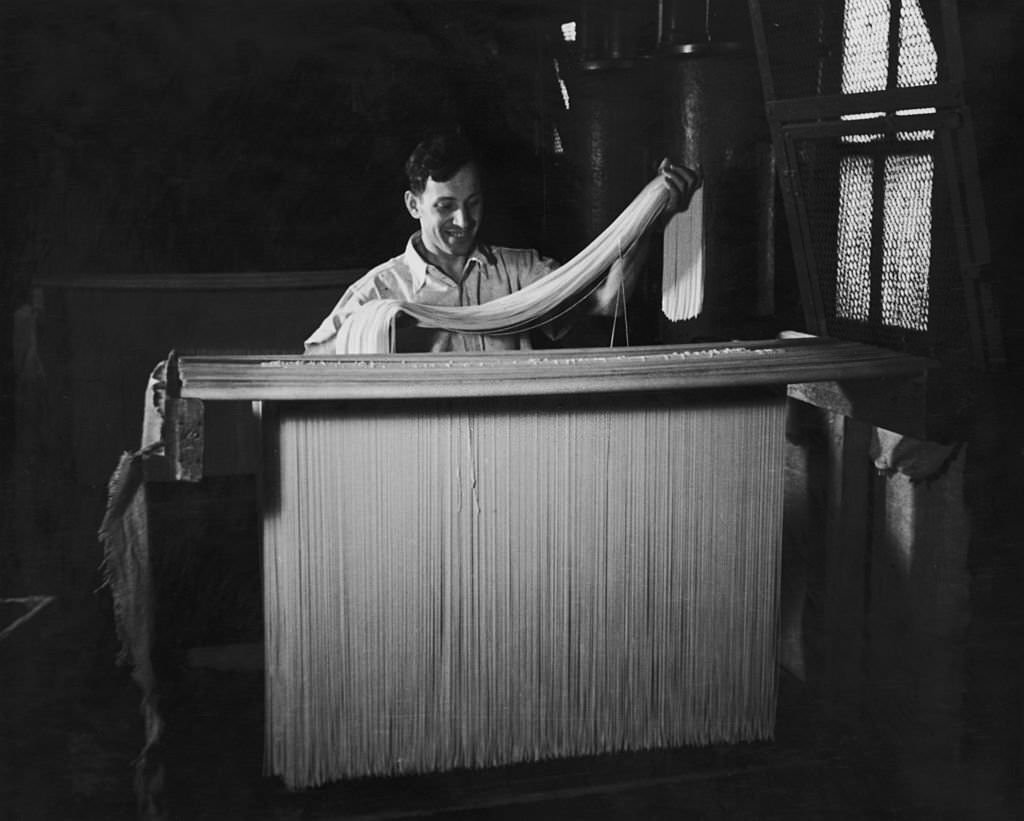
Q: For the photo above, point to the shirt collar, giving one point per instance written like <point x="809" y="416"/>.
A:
<point x="419" y="267"/>
<point x="415" y="263"/>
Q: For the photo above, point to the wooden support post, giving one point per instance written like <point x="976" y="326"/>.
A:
<point x="172" y="444"/>
<point x="918" y="620"/>
<point x="183" y="440"/>
<point x="848" y="532"/>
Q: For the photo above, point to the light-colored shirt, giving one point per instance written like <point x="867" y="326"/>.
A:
<point x="491" y="272"/>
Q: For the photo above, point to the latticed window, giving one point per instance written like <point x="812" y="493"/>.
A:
<point x="908" y="176"/>
<point x="875" y="151"/>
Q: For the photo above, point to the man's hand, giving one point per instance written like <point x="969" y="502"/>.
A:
<point x="681" y="183"/>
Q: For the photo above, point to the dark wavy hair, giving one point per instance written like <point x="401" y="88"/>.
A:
<point x="439" y="156"/>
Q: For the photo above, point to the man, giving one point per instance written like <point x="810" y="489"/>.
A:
<point x="444" y="264"/>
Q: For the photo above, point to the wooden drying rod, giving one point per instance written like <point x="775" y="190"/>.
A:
<point x="826" y="372"/>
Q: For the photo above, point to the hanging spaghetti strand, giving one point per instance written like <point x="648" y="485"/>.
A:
<point x="464" y="585"/>
<point x="682" y="286"/>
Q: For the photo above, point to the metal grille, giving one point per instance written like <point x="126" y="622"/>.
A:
<point x="865" y="46"/>
<point x="906" y="240"/>
<point x="918" y="62"/>
<point x="874" y="159"/>
<point x="866" y="55"/>
<point x="881" y="241"/>
<point x="904" y="259"/>
<point x="853" y="243"/>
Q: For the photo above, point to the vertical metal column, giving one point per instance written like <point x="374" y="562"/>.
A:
<point x="713" y="120"/>
<point x="612" y="109"/>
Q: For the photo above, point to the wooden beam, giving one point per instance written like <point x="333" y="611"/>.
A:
<point x="898" y="404"/>
<point x="236" y="281"/>
<point x="180" y="459"/>
<point x="767" y="363"/>
<point x="820" y="107"/>
<point x="847" y="546"/>
<point x="886" y="125"/>
<point x="799" y="231"/>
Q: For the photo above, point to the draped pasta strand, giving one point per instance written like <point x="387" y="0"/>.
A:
<point x="370" y="329"/>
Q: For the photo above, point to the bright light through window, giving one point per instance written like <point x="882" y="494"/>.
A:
<point x="865" y="46"/>
<point x="853" y="256"/>
<point x="907" y="179"/>
<point x="907" y="241"/>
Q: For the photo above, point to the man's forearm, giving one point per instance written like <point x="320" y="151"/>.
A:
<point x="620" y="283"/>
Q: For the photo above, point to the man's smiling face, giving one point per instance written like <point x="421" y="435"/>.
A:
<point x="449" y="212"/>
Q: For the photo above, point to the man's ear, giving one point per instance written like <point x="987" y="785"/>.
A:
<point x="412" y="205"/>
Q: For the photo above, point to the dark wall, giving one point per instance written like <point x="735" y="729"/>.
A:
<point x="199" y="136"/>
<point x="992" y="32"/>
